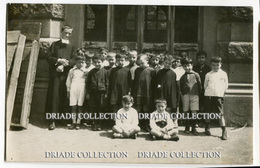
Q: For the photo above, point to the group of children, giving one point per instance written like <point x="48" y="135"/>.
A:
<point x="132" y="83"/>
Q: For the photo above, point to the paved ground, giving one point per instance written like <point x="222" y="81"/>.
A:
<point x="35" y="144"/>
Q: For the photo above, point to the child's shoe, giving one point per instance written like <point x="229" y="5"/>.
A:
<point x="175" y="138"/>
<point x="207" y="132"/>
<point x="187" y="130"/>
<point x="195" y="132"/>
<point x="77" y="126"/>
<point x="154" y="137"/>
<point x="72" y="126"/>
<point x="224" y="135"/>
<point x="167" y="137"/>
<point x="117" y="135"/>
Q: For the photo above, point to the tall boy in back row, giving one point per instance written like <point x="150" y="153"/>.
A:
<point x="215" y="85"/>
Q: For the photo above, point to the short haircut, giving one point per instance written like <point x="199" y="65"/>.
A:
<point x="128" y="99"/>
<point x="66" y="27"/>
<point x="103" y="50"/>
<point x="80" y="51"/>
<point x="186" y="61"/>
<point x="97" y="57"/>
<point x="121" y="55"/>
<point x="158" y="56"/>
<point x="111" y="55"/>
<point x="80" y="58"/>
<point x="216" y="59"/>
<point x="145" y="56"/>
<point x="199" y="53"/>
<point x="161" y="100"/>
<point x="177" y="57"/>
<point x="132" y="53"/>
<point x="89" y="54"/>
<point x="124" y="49"/>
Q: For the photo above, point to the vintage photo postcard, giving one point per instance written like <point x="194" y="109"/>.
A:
<point x="134" y="83"/>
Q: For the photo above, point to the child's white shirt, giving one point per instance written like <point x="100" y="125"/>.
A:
<point x="131" y="118"/>
<point x="216" y="83"/>
<point x="164" y="116"/>
<point x="179" y="72"/>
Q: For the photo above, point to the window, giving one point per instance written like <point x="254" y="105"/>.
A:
<point x="125" y="28"/>
<point x="186" y="24"/>
<point x="156" y="24"/>
<point x="95" y="22"/>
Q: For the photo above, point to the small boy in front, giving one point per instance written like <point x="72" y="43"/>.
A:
<point x="76" y="82"/>
<point x="161" y="123"/>
<point x="97" y="87"/>
<point x="216" y="84"/>
<point x="190" y="86"/>
<point x="126" y="127"/>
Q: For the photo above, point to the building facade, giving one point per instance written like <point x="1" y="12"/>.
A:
<point x="220" y="31"/>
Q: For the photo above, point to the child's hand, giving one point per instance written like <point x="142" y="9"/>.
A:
<point x="87" y="96"/>
<point x="60" y="68"/>
<point x="159" y="86"/>
<point x="105" y="96"/>
<point x="68" y="95"/>
<point x="63" y="61"/>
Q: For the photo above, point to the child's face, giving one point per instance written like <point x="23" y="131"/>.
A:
<point x="97" y="63"/>
<point x="111" y="61"/>
<point x="154" y="61"/>
<point x="88" y="62"/>
<point x="167" y="64"/>
<point x="132" y="59"/>
<point x="143" y="62"/>
<point x="215" y="66"/>
<point x="80" y="63"/>
<point x="187" y="67"/>
<point x="65" y="34"/>
<point x="103" y="54"/>
<point x="160" y="107"/>
<point x="120" y="62"/>
<point x="201" y="59"/>
<point x="184" y="54"/>
<point x="127" y="105"/>
<point x="176" y="63"/>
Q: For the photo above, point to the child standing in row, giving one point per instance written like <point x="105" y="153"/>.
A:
<point x="190" y="86"/>
<point x="97" y="87"/>
<point x="76" y="83"/>
<point x="119" y="82"/>
<point x="161" y="123"/>
<point x="142" y="88"/>
<point x="126" y="127"/>
<point x="216" y="84"/>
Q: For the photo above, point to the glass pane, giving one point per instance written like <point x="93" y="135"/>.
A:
<point x="162" y="25"/>
<point x="151" y="12"/>
<point x="161" y="15"/>
<point x="186" y="24"/>
<point x="95" y="23"/>
<point x="90" y="13"/>
<point x="125" y="23"/>
<point x="90" y="24"/>
<point x="131" y="14"/>
<point x="130" y="25"/>
<point x="151" y="25"/>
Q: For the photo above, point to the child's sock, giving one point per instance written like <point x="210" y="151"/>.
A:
<point x="74" y="111"/>
<point x="223" y="128"/>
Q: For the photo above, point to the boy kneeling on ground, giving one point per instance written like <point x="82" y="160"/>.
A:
<point x="162" y="126"/>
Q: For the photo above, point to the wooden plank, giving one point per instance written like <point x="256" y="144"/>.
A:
<point x="13" y="36"/>
<point x="155" y="46"/>
<point x="131" y="45"/>
<point x="14" y="80"/>
<point x="9" y="57"/>
<point x="94" y="44"/>
<point x="30" y="79"/>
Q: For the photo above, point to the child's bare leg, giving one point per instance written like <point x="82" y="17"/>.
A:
<point x="173" y="131"/>
<point x="118" y="132"/>
<point x="74" y="117"/>
<point x="80" y="110"/>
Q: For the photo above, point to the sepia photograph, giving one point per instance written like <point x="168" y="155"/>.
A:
<point x="141" y="83"/>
